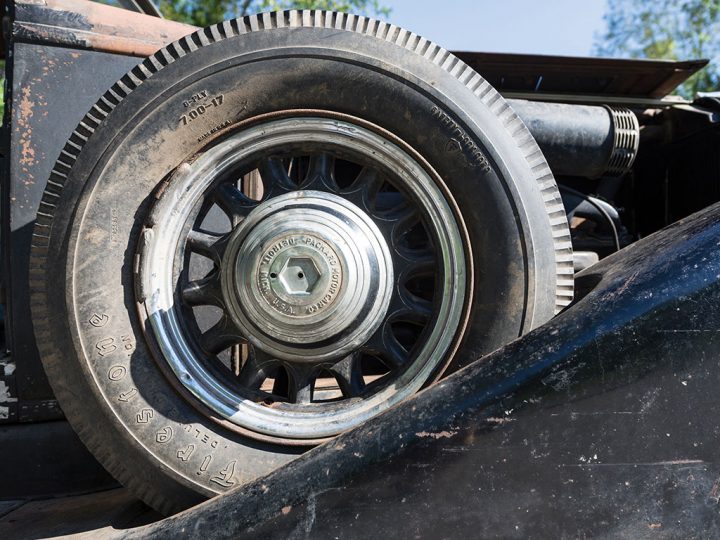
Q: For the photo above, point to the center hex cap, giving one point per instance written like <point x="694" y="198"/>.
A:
<point x="300" y="275"/>
<point x="308" y="276"/>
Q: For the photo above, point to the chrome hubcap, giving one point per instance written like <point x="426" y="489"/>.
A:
<point x="336" y="293"/>
<point x="307" y="276"/>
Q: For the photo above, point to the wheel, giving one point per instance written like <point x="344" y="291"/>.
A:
<point x="275" y="229"/>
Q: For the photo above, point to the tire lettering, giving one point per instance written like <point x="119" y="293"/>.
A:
<point x="204" y="104"/>
<point x="127" y="343"/>
<point x="185" y="453"/>
<point x="117" y="373"/>
<point x="195" y="98"/>
<point x="225" y="477"/>
<point x="127" y="396"/>
<point x="214" y="130"/>
<point x="201" y="436"/>
<point x="144" y="416"/>
<point x="98" y="320"/>
<point x="114" y="226"/>
<point x="205" y="464"/>
<point x="164" y="435"/>
<point x="106" y="346"/>
<point x="461" y="140"/>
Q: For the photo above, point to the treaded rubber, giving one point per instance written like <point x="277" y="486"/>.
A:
<point x="50" y="351"/>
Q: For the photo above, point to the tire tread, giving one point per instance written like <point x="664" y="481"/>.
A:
<point x="49" y="350"/>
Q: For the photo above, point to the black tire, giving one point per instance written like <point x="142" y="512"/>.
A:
<point x="91" y="337"/>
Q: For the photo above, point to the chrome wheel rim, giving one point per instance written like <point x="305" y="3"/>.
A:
<point x="319" y="279"/>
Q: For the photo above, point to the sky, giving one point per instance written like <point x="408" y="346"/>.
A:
<point x="558" y="27"/>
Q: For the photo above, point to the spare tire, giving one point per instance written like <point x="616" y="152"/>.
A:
<point x="276" y="228"/>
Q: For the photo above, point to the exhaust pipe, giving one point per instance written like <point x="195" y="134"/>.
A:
<point x="582" y="140"/>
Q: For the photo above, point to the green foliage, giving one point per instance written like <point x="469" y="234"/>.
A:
<point x="197" y="12"/>
<point x="205" y="12"/>
<point x="354" y="6"/>
<point x="670" y="29"/>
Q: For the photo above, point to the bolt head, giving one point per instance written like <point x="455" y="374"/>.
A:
<point x="299" y="275"/>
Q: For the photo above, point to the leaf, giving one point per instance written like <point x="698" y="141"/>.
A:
<point x="669" y="29"/>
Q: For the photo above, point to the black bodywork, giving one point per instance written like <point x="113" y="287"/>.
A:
<point x="600" y="424"/>
<point x="601" y="421"/>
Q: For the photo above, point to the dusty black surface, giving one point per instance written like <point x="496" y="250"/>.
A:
<point x="106" y="514"/>
<point x="602" y="423"/>
<point x="51" y="486"/>
<point x="46" y="459"/>
<point x="49" y="90"/>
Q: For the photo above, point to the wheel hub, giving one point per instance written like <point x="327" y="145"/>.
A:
<point x="306" y="275"/>
<point x="315" y="283"/>
<point x="299" y="276"/>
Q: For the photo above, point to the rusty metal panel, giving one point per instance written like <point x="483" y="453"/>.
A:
<point x="537" y="74"/>
<point x="83" y="24"/>
<point x="51" y="89"/>
<point x="90" y="25"/>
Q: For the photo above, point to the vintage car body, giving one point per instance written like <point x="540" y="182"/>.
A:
<point x="600" y="422"/>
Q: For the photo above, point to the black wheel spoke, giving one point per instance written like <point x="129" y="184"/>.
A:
<point x="409" y="308"/>
<point x="207" y="244"/>
<point x="320" y="174"/>
<point x="204" y="292"/>
<point x="385" y="346"/>
<point x="409" y="264"/>
<point x="404" y="219"/>
<point x="205" y="208"/>
<point x="219" y="337"/>
<point x="348" y="373"/>
<point x="232" y="201"/>
<point x="302" y="381"/>
<point x="396" y="222"/>
<point x="364" y="189"/>
<point x="394" y="354"/>
<point x="275" y="177"/>
<point x="256" y="369"/>
<point x="370" y="181"/>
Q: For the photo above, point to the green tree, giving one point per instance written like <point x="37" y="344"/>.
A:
<point x="670" y="29"/>
<point x="205" y="12"/>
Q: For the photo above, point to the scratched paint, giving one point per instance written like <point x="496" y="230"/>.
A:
<point x="26" y="105"/>
<point x="5" y="396"/>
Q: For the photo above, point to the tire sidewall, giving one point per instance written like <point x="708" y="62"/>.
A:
<point x="106" y="204"/>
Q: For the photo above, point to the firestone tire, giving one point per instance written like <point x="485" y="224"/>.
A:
<point x="96" y="221"/>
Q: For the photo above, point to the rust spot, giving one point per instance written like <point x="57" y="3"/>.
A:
<point x="438" y="435"/>
<point x="715" y="491"/>
<point x="5" y="395"/>
<point x="27" y="152"/>
<point x="99" y="27"/>
<point x="270" y="403"/>
<point x="500" y="420"/>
